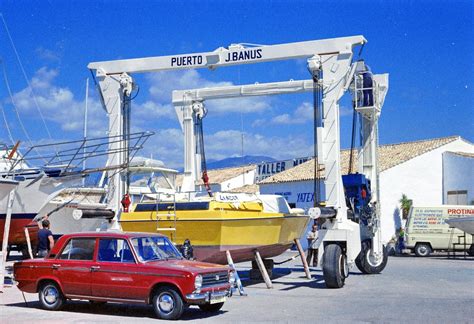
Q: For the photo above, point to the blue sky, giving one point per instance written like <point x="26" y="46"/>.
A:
<point x="426" y="46"/>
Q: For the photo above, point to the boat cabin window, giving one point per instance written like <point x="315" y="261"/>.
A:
<point x="79" y="249"/>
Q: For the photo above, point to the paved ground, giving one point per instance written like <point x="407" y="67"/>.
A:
<point x="413" y="290"/>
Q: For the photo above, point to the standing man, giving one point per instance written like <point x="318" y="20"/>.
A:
<point x="312" y="253"/>
<point x="45" y="238"/>
<point x="401" y="240"/>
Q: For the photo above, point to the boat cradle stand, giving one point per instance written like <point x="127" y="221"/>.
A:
<point x="238" y="282"/>
<point x="265" y="267"/>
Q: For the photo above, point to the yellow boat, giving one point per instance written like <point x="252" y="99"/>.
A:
<point x="240" y="223"/>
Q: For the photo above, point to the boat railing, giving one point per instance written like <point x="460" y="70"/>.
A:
<point x="68" y="157"/>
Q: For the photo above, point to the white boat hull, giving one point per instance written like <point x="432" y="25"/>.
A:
<point x="465" y="224"/>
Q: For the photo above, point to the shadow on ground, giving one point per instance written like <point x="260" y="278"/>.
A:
<point x="115" y="309"/>
<point x="316" y="281"/>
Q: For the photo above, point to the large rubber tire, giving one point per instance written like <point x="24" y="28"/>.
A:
<point x="50" y="296"/>
<point x="422" y="249"/>
<point x="168" y="303"/>
<point x="211" y="308"/>
<point x="364" y="262"/>
<point x="334" y="266"/>
<point x="470" y="251"/>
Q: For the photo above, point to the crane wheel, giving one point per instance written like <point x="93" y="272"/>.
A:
<point x="365" y="262"/>
<point x="334" y="266"/>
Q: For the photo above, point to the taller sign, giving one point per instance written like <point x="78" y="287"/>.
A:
<point x="267" y="169"/>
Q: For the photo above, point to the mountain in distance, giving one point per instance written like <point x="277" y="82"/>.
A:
<point x="238" y="161"/>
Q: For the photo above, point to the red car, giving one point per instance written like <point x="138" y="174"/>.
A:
<point x="124" y="267"/>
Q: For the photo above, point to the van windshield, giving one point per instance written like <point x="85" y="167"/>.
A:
<point x="153" y="248"/>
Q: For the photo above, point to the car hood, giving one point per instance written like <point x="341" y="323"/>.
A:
<point x="187" y="265"/>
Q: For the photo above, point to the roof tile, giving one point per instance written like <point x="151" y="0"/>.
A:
<point x="389" y="156"/>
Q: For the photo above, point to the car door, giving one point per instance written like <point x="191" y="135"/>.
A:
<point x="73" y="265"/>
<point x="116" y="273"/>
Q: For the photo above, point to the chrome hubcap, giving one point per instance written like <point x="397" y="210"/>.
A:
<point x="166" y="303"/>
<point x="51" y="295"/>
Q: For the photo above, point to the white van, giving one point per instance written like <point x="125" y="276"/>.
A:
<point x="427" y="231"/>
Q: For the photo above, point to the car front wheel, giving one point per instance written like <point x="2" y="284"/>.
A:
<point x="168" y="303"/>
<point x="211" y="308"/>
<point x="51" y="297"/>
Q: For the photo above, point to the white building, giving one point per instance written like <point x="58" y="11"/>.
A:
<point x="429" y="172"/>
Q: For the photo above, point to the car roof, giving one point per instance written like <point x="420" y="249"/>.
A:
<point x="118" y="234"/>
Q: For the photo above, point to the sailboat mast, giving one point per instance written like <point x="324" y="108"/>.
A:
<point x="85" y="124"/>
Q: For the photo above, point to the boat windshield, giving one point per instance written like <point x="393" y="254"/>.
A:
<point x="153" y="248"/>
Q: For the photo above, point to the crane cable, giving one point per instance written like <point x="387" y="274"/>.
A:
<point x="353" y="136"/>
<point x="6" y="126"/>
<point x="317" y="116"/>
<point x="200" y="144"/>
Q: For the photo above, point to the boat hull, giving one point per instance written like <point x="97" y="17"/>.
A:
<point x="212" y="233"/>
<point x="18" y="223"/>
<point x="465" y="224"/>
<point x="239" y="253"/>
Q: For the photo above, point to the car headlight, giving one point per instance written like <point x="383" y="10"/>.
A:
<point x="232" y="278"/>
<point x="198" y="282"/>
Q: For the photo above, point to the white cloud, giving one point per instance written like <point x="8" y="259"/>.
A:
<point x="47" y="54"/>
<point x="166" y="145"/>
<point x="228" y="143"/>
<point x="151" y="111"/>
<point x="302" y="114"/>
<point x="163" y="84"/>
<point x="59" y="105"/>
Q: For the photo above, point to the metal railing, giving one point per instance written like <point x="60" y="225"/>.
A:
<point x="68" y="156"/>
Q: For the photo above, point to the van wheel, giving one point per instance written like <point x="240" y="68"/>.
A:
<point x="168" y="303"/>
<point x="50" y="296"/>
<point x="422" y="249"/>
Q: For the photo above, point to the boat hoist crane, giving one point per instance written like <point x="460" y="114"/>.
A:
<point x="350" y="225"/>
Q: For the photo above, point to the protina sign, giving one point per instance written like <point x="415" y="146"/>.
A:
<point x="267" y="169"/>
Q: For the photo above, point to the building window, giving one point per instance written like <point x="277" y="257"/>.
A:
<point x="457" y="197"/>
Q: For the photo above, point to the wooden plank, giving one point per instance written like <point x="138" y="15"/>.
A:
<point x="263" y="270"/>
<point x="28" y="242"/>
<point x="6" y="233"/>
<point x="303" y="258"/>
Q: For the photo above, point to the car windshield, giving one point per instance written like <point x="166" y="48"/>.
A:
<point x="152" y="248"/>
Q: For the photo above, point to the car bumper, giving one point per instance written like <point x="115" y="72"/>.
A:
<point x="208" y="297"/>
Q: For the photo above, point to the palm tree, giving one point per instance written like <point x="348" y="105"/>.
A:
<point x="406" y="205"/>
